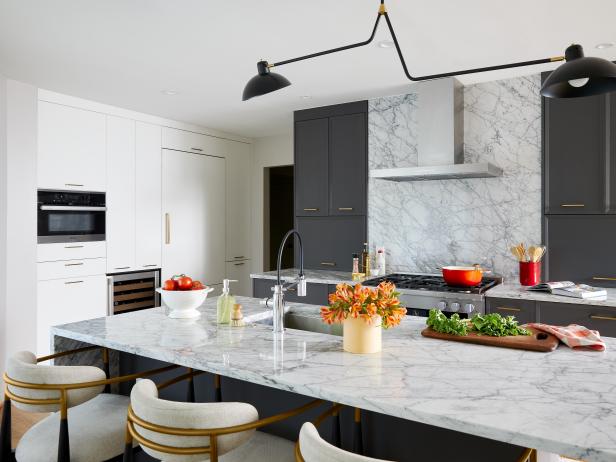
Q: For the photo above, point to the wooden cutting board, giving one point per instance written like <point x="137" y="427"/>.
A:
<point x="538" y="341"/>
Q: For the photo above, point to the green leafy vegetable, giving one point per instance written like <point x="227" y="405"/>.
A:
<point x="441" y="323"/>
<point x="492" y="324"/>
<point x="495" y="325"/>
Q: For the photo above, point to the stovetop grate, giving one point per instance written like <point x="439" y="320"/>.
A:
<point x="434" y="283"/>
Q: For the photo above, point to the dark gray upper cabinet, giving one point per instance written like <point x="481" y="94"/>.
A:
<point x="348" y="164"/>
<point x="311" y="167"/>
<point x="575" y="155"/>
<point x="331" y="178"/>
<point x="581" y="248"/>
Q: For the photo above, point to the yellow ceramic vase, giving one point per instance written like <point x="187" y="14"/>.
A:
<point x="360" y="336"/>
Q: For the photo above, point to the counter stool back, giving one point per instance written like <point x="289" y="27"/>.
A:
<point x="311" y="447"/>
<point x="175" y="431"/>
<point x="97" y="419"/>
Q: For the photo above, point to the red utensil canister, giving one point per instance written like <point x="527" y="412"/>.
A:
<point x="530" y="273"/>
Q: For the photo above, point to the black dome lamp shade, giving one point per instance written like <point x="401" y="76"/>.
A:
<point x="264" y="82"/>
<point x="580" y="76"/>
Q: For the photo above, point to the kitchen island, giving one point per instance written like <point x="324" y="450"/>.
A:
<point x="561" y="402"/>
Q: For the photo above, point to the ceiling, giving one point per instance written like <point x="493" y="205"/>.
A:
<point x="124" y="52"/>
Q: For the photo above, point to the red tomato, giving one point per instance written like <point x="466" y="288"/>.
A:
<point x="197" y="285"/>
<point x="184" y="283"/>
<point x="170" y="284"/>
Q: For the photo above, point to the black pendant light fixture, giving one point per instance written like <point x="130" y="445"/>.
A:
<point x="579" y="76"/>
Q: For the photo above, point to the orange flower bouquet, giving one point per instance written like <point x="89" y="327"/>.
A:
<point x="364" y="303"/>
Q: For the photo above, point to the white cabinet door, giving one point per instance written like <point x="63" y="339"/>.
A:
<point x="238" y="201"/>
<point x="120" y="233"/>
<point x="71" y="148"/>
<point x="194" y="216"/>
<point x="61" y="301"/>
<point x="182" y="140"/>
<point x="240" y="271"/>
<point x="148" y="197"/>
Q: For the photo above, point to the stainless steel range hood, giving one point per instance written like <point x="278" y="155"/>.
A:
<point x="440" y="138"/>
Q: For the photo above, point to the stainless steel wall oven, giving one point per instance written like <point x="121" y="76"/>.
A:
<point x="70" y="216"/>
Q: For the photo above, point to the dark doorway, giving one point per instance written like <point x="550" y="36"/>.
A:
<point x="279" y="214"/>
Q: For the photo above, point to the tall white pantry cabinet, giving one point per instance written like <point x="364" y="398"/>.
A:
<point x="176" y="200"/>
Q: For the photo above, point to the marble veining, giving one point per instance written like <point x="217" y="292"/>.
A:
<point x="424" y="225"/>
<point x="516" y="291"/>
<point x="561" y="402"/>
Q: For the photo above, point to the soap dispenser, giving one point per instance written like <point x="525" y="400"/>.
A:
<point x="225" y="303"/>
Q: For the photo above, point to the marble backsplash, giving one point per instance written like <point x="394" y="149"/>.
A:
<point x="427" y="224"/>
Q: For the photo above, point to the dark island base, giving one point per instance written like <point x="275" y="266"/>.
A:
<point x="384" y="436"/>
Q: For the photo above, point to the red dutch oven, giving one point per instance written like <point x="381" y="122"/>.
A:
<point x="462" y="276"/>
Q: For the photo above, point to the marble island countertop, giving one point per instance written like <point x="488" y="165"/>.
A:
<point x="561" y="402"/>
<point x="517" y="291"/>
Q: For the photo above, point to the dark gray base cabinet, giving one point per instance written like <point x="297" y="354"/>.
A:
<point x="602" y="319"/>
<point x="523" y="310"/>
<point x="330" y="242"/>
<point x="316" y="294"/>
<point x="581" y="248"/>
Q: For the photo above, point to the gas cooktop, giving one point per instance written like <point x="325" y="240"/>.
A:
<point x="432" y="283"/>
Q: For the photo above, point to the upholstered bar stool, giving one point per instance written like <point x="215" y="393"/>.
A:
<point x="95" y="421"/>
<point x="312" y="448"/>
<point x="189" y="432"/>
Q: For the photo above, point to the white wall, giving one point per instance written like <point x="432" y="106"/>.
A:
<point x="271" y="151"/>
<point x="20" y="181"/>
<point x="2" y="222"/>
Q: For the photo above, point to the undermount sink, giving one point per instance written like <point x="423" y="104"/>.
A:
<point x="307" y="323"/>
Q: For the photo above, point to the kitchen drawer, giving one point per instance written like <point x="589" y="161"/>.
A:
<point x="70" y="268"/>
<point x="523" y="310"/>
<point x="598" y="318"/>
<point x="316" y="294"/>
<point x="71" y="251"/>
<point x="182" y="140"/>
<point x="61" y="301"/>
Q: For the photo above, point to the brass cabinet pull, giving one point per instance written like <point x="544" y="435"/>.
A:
<point x="73" y="246"/>
<point x="241" y="257"/>
<point x="122" y="267"/>
<point x="602" y="318"/>
<point x="73" y="264"/>
<point x="73" y="282"/>
<point x="345" y="209"/>
<point x="239" y="264"/>
<point x="328" y="263"/>
<point x="572" y="205"/>
<point x="197" y="149"/>
<point x="74" y="184"/>
<point x="506" y="308"/>
<point x="150" y="266"/>
<point x="167" y="229"/>
<point x="601" y="278"/>
<point x="311" y="210"/>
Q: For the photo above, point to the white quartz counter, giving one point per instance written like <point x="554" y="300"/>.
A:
<point x="562" y="402"/>
<point x="517" y="291"/>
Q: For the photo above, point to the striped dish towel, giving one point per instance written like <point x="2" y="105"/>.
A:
<point x="573" y="335"/>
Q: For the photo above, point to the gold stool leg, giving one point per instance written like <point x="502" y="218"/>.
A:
<point x="218" y="396"/>
<point x="336" y="429"/>
<point x="358" y="442"/>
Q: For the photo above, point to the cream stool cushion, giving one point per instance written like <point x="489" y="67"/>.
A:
<point x="316" y="449"/>
<point x="147" y="406"/>
<point x="96" y="432"/>
<point x="23" y="367"/>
